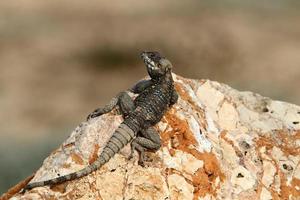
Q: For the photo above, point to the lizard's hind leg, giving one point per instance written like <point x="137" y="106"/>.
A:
<point x="147" y="140"/>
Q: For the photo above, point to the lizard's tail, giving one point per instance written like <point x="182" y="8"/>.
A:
<point x="122" y="136"/>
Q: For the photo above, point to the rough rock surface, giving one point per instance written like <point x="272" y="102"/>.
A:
<point x="217" y="143"/>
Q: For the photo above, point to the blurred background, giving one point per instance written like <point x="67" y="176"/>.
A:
<point x="59" y="60"/>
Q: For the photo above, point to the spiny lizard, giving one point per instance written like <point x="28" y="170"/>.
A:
<point x="155" y="96"/>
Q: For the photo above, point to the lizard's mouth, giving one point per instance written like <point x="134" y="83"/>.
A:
<point x="149" y="63"/>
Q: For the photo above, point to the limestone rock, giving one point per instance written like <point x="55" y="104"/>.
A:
<point x="217" y="143"/>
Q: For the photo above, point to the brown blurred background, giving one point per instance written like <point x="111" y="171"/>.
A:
<point x="61" y="59"/>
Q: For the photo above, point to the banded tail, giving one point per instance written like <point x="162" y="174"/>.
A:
<point x="121" y="137"/>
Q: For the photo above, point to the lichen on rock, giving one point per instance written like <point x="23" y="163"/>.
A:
<point x="217" y="143"/>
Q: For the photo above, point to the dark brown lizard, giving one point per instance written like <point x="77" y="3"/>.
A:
<point x="155" y="96"/>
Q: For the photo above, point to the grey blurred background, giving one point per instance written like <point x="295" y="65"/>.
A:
<point x="59" y="60"/>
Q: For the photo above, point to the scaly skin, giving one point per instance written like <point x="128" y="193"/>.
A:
<point x="155" y="97"/>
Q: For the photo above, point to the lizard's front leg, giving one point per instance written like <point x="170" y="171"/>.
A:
<point x="141" y="86"/>
<point x="122" y="99"/>
<point x="137" y="89"/>
<point x="147" y="140"/>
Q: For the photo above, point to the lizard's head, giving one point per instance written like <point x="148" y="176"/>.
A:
<point x="157" y="66"/>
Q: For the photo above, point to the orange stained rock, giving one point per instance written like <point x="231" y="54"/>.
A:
<point x="15" y="189"/>
<point x="186" y="97"/>
<point x="180" y="132"/>
<point x="59" y="187"/>
<point x="202" y="184"/>
<point x="287" y="190"/>
<point x="66" y="165"/>
<point x="77" y="159"/>
<point x="93" y="157"/>
<point x="229" y="141"/>
<point x="284" y="140"/>
<point x="204" y="179"/>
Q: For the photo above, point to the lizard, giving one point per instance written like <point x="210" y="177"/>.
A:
<point x="154" y="97"/>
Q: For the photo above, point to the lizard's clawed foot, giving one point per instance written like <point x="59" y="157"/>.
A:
<point x="141" y="160"/>
<point x="94" y="114"/>
<point x="141" y="150"/>
<point x="141" y="163"/>
<point x="130" y="155"/>
<point x="22" y="191"/>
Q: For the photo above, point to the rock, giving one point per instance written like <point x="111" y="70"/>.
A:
<point x="217" y="143"/>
